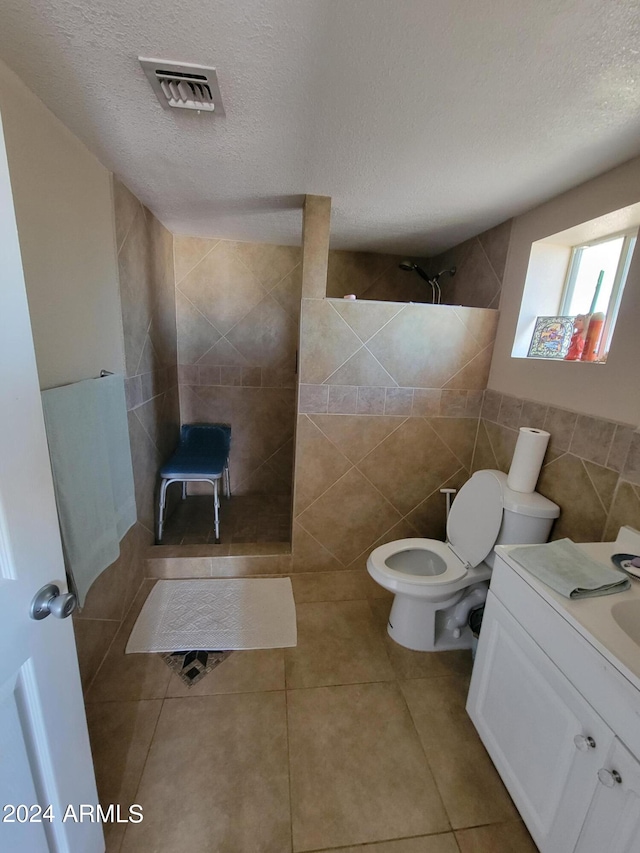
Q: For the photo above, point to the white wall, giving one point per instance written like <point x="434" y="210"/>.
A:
<point x="610" y="390"/>
<point x="64" y="211"/>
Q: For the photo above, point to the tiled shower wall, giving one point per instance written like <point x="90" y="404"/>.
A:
<point x="480" y="263"/>
<point x="374" y="276"/>
<point x="591" y="470"/>
<point x="389" y="402"/>
<point x="238" y="309"/>
<point x="145" y="267"/>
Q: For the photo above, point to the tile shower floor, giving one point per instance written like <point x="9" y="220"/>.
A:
<point x="346" y="740"/>
<point x="244" y="518"/>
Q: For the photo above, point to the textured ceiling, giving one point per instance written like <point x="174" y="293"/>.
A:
<point x="427" y="121"/>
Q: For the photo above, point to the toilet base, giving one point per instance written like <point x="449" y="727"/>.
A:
<point x="426" y="626"/>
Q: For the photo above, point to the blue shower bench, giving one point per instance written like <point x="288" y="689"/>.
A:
<point x="202" y="456"/>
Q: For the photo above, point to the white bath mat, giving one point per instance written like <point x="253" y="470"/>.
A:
<point x="238" y="613"/>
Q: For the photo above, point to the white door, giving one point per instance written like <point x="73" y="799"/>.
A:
<point x="45" y="759"/>
<point x="545" y="740"/>
<point x="613" y="823"/>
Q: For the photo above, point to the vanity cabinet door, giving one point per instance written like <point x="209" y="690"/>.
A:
<point x="613" y="821"/>
<point x="545" y="740"/>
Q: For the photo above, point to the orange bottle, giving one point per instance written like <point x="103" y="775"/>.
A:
<point x="594" y="333"/>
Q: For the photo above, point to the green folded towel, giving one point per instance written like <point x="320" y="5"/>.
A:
<point x="568" y="570"/>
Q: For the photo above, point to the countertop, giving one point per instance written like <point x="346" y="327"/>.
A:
<point x="591" y="617"/>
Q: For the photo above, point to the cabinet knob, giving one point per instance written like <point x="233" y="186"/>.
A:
<point x="584" y="743"/>
<point x="609" y="778"/>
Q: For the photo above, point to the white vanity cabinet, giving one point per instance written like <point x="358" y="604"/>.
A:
<point x="613" y="818"/>
<point x="540" y="717"/>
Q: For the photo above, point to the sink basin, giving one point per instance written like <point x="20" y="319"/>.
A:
<point x="626" y="614"/>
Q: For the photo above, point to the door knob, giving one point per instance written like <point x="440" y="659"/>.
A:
<point x="49" y="599"/>
<point x="609" y="778"/>
<point x="584" y="743"/>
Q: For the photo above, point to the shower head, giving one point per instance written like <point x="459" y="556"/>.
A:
<point x="433" y="280"/>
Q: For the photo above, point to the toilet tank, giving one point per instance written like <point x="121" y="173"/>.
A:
<point x="527" y="519"/>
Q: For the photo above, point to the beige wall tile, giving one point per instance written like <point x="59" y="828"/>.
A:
<point x="366" y="318"/>
<point x="426" y="402"/>
<point x="371" y="400"/>
<point x="356" y="436"/>
<point x="429" y="518"/>
<point x="266" y="335"/>
<point x="343" y="399"/>
<point x="423" y="346"/>
<point x="619" y="449"/>
<point x="631" y="470"/>
<point x="582" y="515"/>
<point x="354" y="272"/>
<point x="361" y="369"/>
<point x="491" y="405"/>
<point x="188" y="252"/>
<point x="408" y="478"/>
<point x="625" y="510"/>
<point x="309" y="555"/>
<point x="326" y="341"/>
<point x="196" y="334"/>
<point x="510" y="412"/>
<point x="319" y="463"/>
<point x="316" y="226"/>
<point x="592" y="439"/>
<point x="560" y="424"/>
<point x="398" y="401"/>
<point x="313" y="398"/>
<point x="269" y="263"/>
<point x="369" y="515"/>
<point x="222" y="288"/>
<point x="532" y="415"/>
<point x="475" y="373"/>
<point x="93" y="638"/>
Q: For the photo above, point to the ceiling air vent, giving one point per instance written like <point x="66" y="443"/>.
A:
<point x="183" y="85"/>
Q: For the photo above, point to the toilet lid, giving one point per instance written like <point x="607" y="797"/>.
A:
<point x="475" y="518"/>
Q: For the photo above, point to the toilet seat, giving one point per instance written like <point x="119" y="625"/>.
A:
<point x="384" y="560"/>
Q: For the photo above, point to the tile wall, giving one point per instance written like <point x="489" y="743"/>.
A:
<point x="592" y="466"/>
<point x="145" y="267"/>
<point x="388" y="410"/>
<point x="374" y="276"/>
<point x="480" y="264"/>
<point x="238" y="309"/>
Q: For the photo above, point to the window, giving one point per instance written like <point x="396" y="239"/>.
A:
<point x="595" y="281"/>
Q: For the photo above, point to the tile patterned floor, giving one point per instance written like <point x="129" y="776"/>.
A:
<point x="245" y="518"/>
<point x="347" y="743"/>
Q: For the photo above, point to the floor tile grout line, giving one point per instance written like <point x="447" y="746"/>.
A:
<point x="424" y="752"/>
<point x="85" y="693"/>
<point x="363" y="845"/>
<point x="146" y="759"/>
<point x="286" y="712"/>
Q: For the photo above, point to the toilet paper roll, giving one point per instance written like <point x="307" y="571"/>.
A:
<point x="527" y="459"/>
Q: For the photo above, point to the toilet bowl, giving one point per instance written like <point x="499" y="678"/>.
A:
<point x="437" y="584"/>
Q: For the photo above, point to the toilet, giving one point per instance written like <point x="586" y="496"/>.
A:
<point x="437" y="584"/>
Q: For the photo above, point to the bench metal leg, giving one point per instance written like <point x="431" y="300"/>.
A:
<point x="184" y="490"/>
<point x="227" y="481"/>
<point x="161" y="509"/>
<point x="216" y="511"/>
